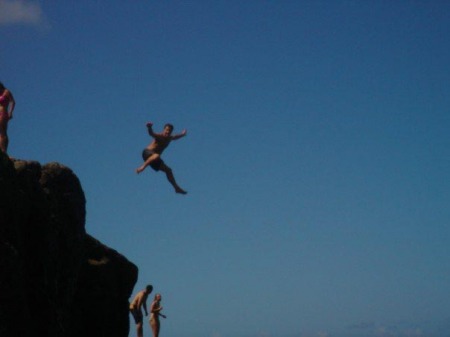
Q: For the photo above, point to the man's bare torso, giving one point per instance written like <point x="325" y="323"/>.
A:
<point x="159" y="143"/>
<point x="138" y="300"/>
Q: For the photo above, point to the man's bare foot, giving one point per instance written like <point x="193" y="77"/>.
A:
<point x="180" y="191"/>
<point x="140" y="169"/>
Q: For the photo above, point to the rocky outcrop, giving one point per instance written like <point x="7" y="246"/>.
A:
<point x="55" y="279"/>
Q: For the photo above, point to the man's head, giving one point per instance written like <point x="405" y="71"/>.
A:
<point x="149" y="289"/>
<point x="168" y="128"/>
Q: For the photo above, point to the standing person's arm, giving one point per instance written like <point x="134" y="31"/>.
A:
<point x="144" y="305"/>
<point x="12" y="104"/>
<point x="153" y="307"/>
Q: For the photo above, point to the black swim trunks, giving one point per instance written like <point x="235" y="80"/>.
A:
<point x="156" y="164"/>
<point x="137" y="315"/>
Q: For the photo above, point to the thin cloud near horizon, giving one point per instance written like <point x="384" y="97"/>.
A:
<point x="21" y="12"/>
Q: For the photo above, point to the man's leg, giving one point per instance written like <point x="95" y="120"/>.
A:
<point x="171" y="178"/>
<point x="3" y="143"/>
<point x="155" y="325"/>
<point x="138" y="319"/>
<point x="148" y="161"/>
<point x="140" y="331"/>
<point x="3" y="134"/>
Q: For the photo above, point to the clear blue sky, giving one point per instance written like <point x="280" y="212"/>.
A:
<point x="317" y="157"/>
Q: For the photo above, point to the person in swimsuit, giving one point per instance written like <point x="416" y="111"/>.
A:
<point x="155" y="312"/>
<point x="139" y="302"/>
<point x="152" y="153"/>
<point x="7" y="105"/>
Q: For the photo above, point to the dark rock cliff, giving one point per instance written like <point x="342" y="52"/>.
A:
<point x="55" y="279"/>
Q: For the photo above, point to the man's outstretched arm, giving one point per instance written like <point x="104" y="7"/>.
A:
<point x="150" y="129"/>
<point x="180" y="135"/>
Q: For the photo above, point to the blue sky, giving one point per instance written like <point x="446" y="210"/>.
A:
<point x="316" y="159"/>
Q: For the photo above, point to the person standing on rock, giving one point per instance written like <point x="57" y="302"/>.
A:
<point x="152" y="153"/>
<point x="139" y="302"/>
<point x="7" y="105"/>
<point x="155" y="312"/>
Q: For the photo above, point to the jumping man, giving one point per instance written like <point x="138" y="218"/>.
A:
<point x="152" y="153"/>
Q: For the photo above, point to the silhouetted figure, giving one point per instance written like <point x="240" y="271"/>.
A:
<point x="139" y="302"/>
<point x="7" y="105"/>
<point x="152" y="153"/>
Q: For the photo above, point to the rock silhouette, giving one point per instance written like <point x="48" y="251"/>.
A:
<point x="55" y="279"/>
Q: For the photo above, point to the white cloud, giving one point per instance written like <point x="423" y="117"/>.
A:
<point x="21" y="12"/>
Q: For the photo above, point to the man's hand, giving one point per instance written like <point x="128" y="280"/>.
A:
<point x="149" y="124"/>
